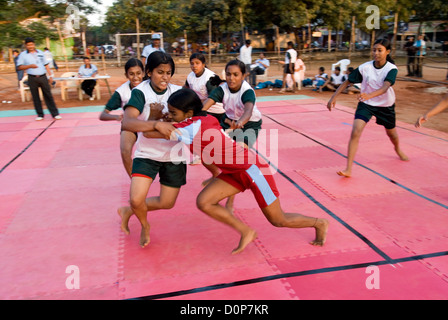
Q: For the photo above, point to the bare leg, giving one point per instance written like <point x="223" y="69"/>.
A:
<point x="127" y="141"/>
<point x="139" y="189"/>
<point x="208" y="202"/>
<point x="166" y="200"/>
<point x="358" y="127"/>
<point x="293" y="83"/>
<point x="277" y="217"/>
<point x="393" y="136"/>
<point x="282" y="90"/>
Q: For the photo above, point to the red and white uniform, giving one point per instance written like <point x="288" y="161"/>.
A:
<point x="240" y="167"/>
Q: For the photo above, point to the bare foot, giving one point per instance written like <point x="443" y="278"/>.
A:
<point x="345" y="173"/>
<point x="144" y="236"/>
<point x="321" y="227"/>
<point x="402" y="156"/>
<point x="245" y="240"/>
<point x="125" y="214"/>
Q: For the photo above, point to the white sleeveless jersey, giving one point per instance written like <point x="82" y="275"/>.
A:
<point x="156" y="149"/>
<point x="337" y="79"/>
<point x="234" y="105"/>
<point x="373" y="79"/>
<point x="293" y="54"/>
<point x="199" y="85"/>
<point x="125" y="92"/>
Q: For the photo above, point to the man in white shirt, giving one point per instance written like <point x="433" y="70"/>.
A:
<point x="152" y="47"/>
<point x="246" y="55"/>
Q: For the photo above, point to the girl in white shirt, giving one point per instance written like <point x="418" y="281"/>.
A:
<point x="203" y="81"/>
<point x="377" y="99"/>
<point x="134" y="72"/>
<point x="152" y="156"/>
<point x="242" y="119"/>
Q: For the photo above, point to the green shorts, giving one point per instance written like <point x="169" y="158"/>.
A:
<point x="248" y="134"/>
<point x="171" y="175"/>
<point x="385" y="116"/>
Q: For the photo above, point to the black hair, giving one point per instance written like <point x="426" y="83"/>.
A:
<point x="385" y="43"/>
<point x="28" y="39"/>
<point x="199" y="56"/>
<point x="238" y="63"/>
<point x="185" y="100"/>
<point x="133" y="62"/>
<point x="338" y="68"/>
<point x="322" y="69"/>
<point x="290" y="43"/>
<point x="157" y="58"/>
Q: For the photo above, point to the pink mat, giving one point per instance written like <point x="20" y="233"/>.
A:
<point x="59" y="199"/>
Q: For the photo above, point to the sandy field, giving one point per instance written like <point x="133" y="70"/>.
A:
<point x="413" y="97"/>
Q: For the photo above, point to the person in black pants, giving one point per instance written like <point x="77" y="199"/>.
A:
<point x="88" y="70"/>
<point x="33" y="61"/>
<point x="411" y="50"/>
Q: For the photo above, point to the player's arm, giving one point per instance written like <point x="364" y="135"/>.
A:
<point x="439" y="107"/>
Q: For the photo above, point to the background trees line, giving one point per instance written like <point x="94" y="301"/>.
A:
<point x="173" y="17"/>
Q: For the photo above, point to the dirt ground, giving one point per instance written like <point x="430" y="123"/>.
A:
<point x="412" y="98"/>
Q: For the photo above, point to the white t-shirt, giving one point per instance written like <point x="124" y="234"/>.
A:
<point x="150" y="49"/>
<point x="199" y="85"/>
<point x="246" y="54"/>
<point x="337" y="79"/>
<point x="155" y="149"/>
<point x="125" y="92"/>
<point x="293" y="54"/>
<point x="233" y="102"/>
<point x="373" y="78"/>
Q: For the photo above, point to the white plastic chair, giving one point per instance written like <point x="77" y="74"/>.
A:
<point x="264" y="76"/>
<point x="343" y="64"/>
<point x="68" y="84"/>
<point x="25" y="92"/>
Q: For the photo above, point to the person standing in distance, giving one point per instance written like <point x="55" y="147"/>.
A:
<point x="33" y="61"/>
<point x="246" y="56"/>
<point x="154" y="46"/>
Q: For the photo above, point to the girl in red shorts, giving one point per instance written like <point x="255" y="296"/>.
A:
<point x="241" y="169"/>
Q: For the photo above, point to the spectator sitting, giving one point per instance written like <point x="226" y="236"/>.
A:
<point x="320" y="79"/>
<point x="332" y="83"/>
<point x="259" y="67"/>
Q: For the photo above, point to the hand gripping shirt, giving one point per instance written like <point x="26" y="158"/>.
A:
<point x="155" y="149"/>
<point x="199" y="85"/>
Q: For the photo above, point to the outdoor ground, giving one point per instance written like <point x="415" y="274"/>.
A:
<point x="413" y="98"/>
<point x="61" y="183"/>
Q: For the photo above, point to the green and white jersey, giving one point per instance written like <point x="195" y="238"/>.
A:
<point x="120" y="97"/>
<point x="142" y="97"/>
<point x="373" y="78"/>
<point x="201" y="86"/>
<point x="234" y="101"/>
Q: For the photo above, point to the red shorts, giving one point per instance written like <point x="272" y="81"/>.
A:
<point x="262" y="186"/>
